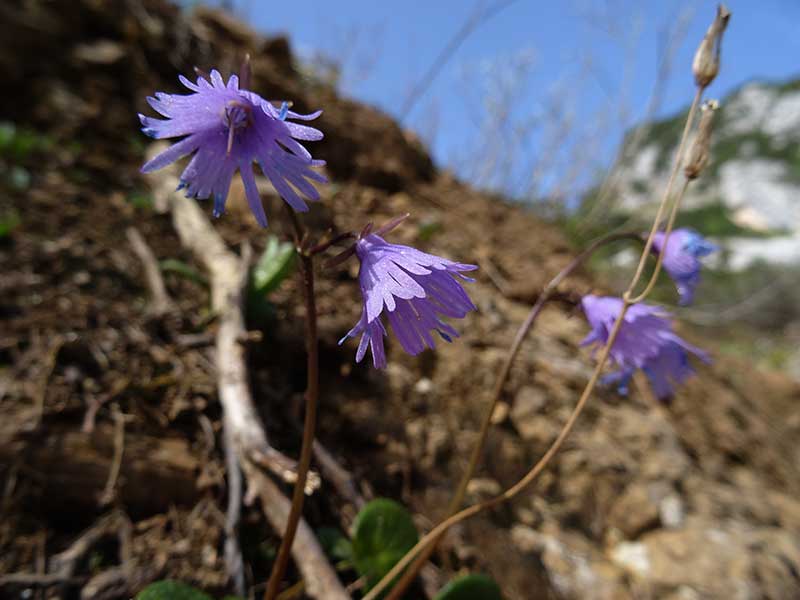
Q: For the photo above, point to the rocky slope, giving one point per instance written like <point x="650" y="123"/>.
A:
<point x="694" y="499"/>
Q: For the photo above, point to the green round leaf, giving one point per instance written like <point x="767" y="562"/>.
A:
<point x="383" y="533"/>
<point x="471" y="587"/>
<point x="171" y="590"/>
<point x="335" y="544"/>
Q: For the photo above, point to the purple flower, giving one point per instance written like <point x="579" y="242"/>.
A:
<point x="681" y="255"/>
<point x="414" y="289"/>
<point x="228" y="128"/>
<point x="645" y="341"/>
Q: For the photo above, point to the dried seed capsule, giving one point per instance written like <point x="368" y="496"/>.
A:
<point x="698" y="153"/>
<point x="706" y="60"/>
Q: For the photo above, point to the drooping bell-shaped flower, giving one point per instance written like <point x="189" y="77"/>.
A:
<point x="228" y="128"/>
<point x="681" y="260"/>
<point x="646" y="341"/>
<point x="414" y="291"/>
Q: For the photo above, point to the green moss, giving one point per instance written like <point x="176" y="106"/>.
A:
<point x="788" y="86"/>
<point x="9" y="221"/>
<point x="764" y="147"/>
<point x="18" y="143"/>
<point x="141" y="200"/>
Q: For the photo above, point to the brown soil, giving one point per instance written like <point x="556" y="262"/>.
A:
<point x="695" y="499"/>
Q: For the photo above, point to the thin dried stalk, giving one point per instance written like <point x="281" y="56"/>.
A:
<point x="477" y="449"/>
<point x="628" y="301"/>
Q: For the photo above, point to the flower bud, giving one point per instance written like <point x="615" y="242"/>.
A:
<point x="245" y="72"/>
<point x="706" y="60"/>
<point x="698" y="153"/>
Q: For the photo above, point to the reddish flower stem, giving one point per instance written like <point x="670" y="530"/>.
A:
<point x="309" y="426"/>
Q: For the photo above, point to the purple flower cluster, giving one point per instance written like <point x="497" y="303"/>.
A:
<point x="414" y="289"/>
<point x="646" y="341"/>
<point x="227" y="128"/>
<point x="681" y="261"/>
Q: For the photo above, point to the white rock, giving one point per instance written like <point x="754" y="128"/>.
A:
<point x="671" y="511"/>
<point x="632" y="556"/>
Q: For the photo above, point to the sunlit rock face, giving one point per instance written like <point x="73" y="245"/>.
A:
<point x="752" y="181"/>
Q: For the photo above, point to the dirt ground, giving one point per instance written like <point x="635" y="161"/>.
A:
<point x="697" y="498"/>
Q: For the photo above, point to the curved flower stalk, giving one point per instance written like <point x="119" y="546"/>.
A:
<point x="681" y="258"/>
<point x="227" y="128"/>
<point x="414" y="289"/>
<point x="645" y="341"/>
<point x="661" y="362"/>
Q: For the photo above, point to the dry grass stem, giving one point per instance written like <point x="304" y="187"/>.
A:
<point x="628" y="300"/>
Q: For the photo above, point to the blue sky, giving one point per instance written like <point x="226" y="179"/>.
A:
<point x="571" y="53"/>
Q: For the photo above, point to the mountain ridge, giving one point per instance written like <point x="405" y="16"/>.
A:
<point x="753" y="172"/>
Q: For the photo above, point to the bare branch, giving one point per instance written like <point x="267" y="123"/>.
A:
<point x="233" y="552"/>
<point x="160" y="301"/>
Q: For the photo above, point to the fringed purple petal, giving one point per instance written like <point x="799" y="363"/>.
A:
<point x="188" y="84"/>
<point x="304" y="132"/>
<point x="645" y="341"/>
<point x="216" y="80"/>
<point x="230" y="128"/>
<point x="251" y="192"/>
<point x="203" y="84"/>
<point x="171" y="154"/>
<point x="621" y="378"/>
<point x="372" y="335"/>
<point x="300" y="117"/>
<point x="295" y="148"/>
<point x="284" y="190"/>
<point x="414" y="296"/>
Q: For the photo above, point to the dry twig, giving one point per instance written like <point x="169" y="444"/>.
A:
<point x="233" y="552"/>
<point x="107" y="497"/>
<point x="122" y="580"/>
<point x="160" y="302"/>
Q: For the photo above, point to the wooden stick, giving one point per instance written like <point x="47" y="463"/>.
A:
<point x="160" y="302"/>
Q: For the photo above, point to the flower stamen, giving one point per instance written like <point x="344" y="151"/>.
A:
<point x="237" y="116"/>
<point x="285" y="106"/>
